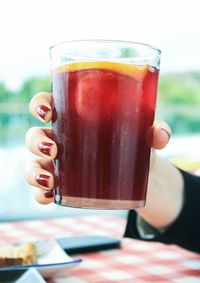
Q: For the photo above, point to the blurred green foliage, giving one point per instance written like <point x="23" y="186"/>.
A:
<point x="178" y="104"/>
<point x="179" y="101"/>
<point x="15" y="118"/>
<point x="32" y="86"/>
<point x="180" y="89"/>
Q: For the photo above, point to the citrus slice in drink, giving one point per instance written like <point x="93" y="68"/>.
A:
<point x="136" y="71"/>
<point x="100" y="85"/>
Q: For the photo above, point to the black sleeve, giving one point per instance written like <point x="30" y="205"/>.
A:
<point x="185" y="230"/>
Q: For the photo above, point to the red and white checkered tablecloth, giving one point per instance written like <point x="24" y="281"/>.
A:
<point x="137" y="261"/>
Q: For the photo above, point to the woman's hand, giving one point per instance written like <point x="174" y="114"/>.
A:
<point x="40" y="172"/>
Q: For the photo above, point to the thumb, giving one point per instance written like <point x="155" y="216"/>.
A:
<point x="161" y="133"/>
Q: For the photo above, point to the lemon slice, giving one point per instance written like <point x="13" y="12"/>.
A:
<point x="136" y="71"/>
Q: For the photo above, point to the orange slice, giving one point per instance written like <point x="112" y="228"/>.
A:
<point x="136" y="71"/>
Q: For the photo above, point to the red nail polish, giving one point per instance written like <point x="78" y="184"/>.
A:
<point x="43" y="180"/>
<point x="45" y="147"/>
<point x="48" y="194"/>
<point x="42" y="111"/>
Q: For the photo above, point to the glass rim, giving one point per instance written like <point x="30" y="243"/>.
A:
<point x="149" y="46"/>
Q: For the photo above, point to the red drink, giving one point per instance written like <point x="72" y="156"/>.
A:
<point x="104" y="112"/>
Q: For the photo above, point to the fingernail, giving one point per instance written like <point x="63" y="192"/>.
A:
<point x="45" y="148"/>
<point x="43" y="180"/>
<point x="164" y="130"/>
<point x="48" y="194"/>
<point x="42" y="111"/>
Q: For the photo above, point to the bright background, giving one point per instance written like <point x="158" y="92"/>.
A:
<point x="29" y="28"/>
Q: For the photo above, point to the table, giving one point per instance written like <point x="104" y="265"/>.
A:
<point x="137" y="261"/>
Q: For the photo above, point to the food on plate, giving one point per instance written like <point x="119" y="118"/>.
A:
<point x="24" y="254"/>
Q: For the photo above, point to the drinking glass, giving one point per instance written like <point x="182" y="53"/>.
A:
<point x="104" y="94"/>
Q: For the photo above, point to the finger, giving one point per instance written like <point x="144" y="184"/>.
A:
<point x="161" y="133"/>
<point x="40" y="173"/>
<point x="35" y="168"/>
<point x="39" y="141"/>
<point x="42" y="197"/>
<point x="41" y="106"/>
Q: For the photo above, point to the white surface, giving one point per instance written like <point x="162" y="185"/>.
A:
<point x="31" y="276"/>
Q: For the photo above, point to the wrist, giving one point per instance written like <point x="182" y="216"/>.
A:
<point x="164" y="195"/>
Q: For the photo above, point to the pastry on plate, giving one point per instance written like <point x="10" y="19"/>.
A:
<point x="24" y="254"/>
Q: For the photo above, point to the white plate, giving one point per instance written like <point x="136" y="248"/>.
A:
<point x="31" y="276"/>
<point x="54" y="262"/>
